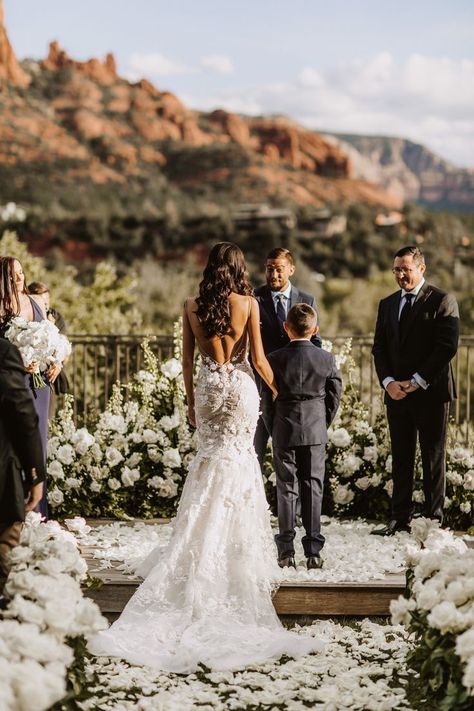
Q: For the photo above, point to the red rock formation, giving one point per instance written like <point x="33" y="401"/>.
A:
<point x="104" y="73"/>
<point x="10" y="70"/>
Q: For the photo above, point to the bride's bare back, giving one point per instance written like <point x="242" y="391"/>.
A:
<point x="244" y="328"/>
<point x="223" y="348"/>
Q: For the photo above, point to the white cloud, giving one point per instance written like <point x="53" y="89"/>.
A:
<point x="157" y="65"/>
<point x="218" y="63"/>
<point x="426" y="99"/>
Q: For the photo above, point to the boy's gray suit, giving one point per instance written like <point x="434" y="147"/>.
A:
<point x="309" y="389"/>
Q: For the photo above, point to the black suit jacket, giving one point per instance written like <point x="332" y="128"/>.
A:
<point x="309" y="389"/>
<point x="273" y="335"/>
<point x="430" y="342"/>
<point x="20" y="439"/>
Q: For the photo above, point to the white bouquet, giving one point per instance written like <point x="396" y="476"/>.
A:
<point x="39" y="343"/>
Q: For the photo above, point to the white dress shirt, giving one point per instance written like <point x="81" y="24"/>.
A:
<point x="276" y="295"/>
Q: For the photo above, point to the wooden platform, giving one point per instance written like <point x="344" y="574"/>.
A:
<point x="318" y="599"/>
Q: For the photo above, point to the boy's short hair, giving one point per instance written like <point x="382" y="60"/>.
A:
<point x="302" y="319"/>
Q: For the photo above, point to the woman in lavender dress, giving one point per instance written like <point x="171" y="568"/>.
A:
<point x="15" y="301"/>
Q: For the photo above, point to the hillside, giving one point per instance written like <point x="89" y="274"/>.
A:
<point x="98" y="161"/>
<point x="409" y="170"/>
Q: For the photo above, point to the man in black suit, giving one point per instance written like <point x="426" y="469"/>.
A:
<point x="416" y="336"/>
<point x="22" y="469"/>
<point x="275" y="299"/>
<point x="309" y="389"/>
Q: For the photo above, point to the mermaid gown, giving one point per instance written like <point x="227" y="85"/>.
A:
<point x="207" y="595"/>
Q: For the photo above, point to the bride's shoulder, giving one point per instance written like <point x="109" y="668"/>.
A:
<point x="190" y="304"/>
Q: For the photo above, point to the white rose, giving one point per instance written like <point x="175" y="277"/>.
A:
<point x="55" y="470"/>
<point x="465" y="506"/>
<point x="422" y="527"/>
<point x="114" y="483"/>
<point x="129" y="476"/>
<point x="55" y="497"/>
<point x="468" y="676"/>
<point x="343" y="495"/>
<point x="171" y="458"/>
<point x="34" y="681"/>
<point x="469" y="480"/>
<point x="95" y="486"/>
<point x="134" y="459"/>
<point x="20" y="554"/>
<point x="65" y="454"/>
<point x="454" y="477"/>
<point x="72" y="483"/>
<point x="116" y="423"/>
<point x="363" y="483"/>
<point x="388" y="464"/>
<point x="340" y="437"/>
<point x="167" y="488"/>
<point x="113" y="456"/>
<point x="25" y="610"/>
<point x="96" y="452"/>
<point x="154" y="454"/>
<point x="370" y="454"/>
<point x="169" y="423"/>
<point x="389" y="487"/>
<point x="465" y="645"/>
<point x="82" y="440"/>
<point x="349" y="464"/>
<point x="400" y="610"/>
<point x="171" y="368"/>
<point x="149" y="436"/>
<point x="429" y="596"/>
<point x="445" y="617"/>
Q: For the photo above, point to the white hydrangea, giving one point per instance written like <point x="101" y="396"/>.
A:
<point x="129" y="476"/>
<point x="454" y="477"/>
<point x="465" y="507"/>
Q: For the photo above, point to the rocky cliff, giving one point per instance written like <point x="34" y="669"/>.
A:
<point x="409" y="170"/>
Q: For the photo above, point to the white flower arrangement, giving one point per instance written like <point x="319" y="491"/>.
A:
<point x="438" y="611"/>
<point x="45" y="615"/>
<point x="133" y="462"/>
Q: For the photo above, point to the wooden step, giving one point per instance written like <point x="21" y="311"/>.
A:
<point x="292" y="598"/>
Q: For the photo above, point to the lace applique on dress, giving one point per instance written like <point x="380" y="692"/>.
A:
<point x="207" y="594"/>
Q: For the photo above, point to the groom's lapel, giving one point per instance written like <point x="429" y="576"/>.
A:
<point x="294" y="297"/>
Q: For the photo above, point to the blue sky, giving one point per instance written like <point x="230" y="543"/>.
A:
<point x="364" y="66"/>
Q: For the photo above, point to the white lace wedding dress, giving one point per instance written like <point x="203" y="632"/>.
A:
<point x="207" y="595"/>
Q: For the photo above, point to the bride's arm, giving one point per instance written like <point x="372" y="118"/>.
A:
<point x="188" y="364"/>
<point x="261" y="364"/>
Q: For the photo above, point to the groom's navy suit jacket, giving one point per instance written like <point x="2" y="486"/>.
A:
<point x="273" y="335"/>
<point x="309" y="389"/>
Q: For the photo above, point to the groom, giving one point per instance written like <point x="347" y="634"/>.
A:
<point x="275" y="299"/>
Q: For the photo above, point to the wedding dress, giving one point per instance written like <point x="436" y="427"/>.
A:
<point x="207" y="594"/>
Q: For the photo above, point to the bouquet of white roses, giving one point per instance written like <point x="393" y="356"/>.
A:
<point x="40" y="343"/>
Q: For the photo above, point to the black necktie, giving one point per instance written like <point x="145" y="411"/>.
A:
<point x="280" y="310"/>
<point x="405" y="313"/>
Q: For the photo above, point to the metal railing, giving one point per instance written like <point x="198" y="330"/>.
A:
<point x="98" y="361"/>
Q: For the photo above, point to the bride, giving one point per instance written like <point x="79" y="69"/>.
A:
<point x="207" y="596"/>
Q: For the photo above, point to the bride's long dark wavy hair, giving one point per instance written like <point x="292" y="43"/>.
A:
<point x="225" y="272"/>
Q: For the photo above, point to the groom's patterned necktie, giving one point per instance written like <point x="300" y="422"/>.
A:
<point x="405" y="313"/>
<point x="280" y="309"/>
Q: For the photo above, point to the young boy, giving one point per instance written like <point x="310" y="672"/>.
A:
<point x="309" y="389"/>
